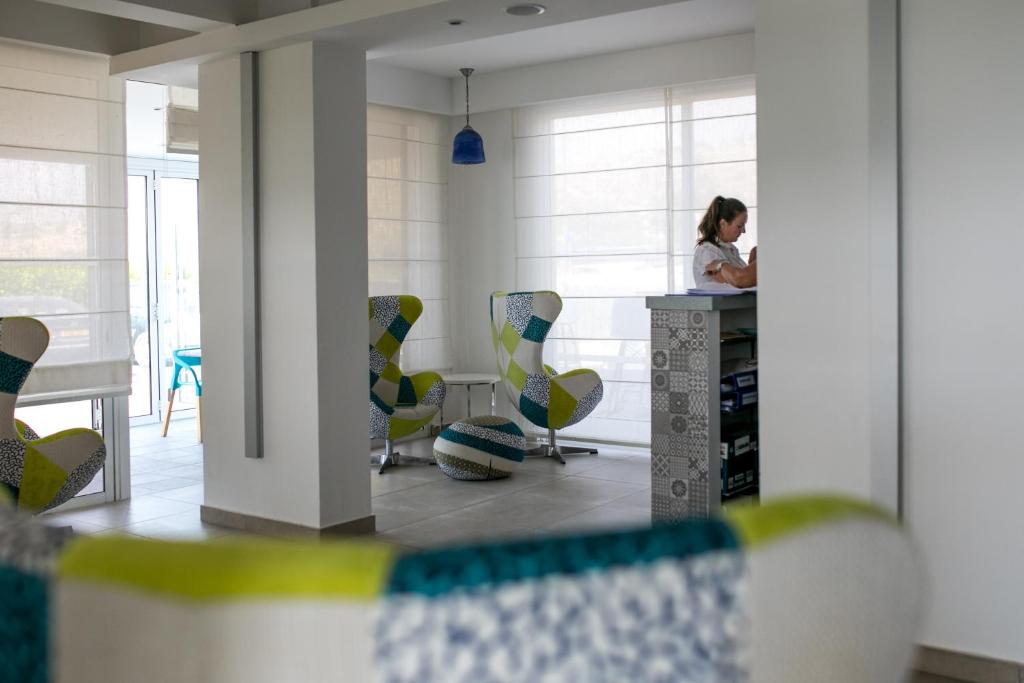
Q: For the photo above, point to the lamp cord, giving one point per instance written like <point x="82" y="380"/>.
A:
<point x="466" y="71"/>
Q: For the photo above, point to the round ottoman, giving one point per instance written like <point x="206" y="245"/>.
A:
<point x="480" y="448"/>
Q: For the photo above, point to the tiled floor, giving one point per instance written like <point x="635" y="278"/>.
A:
<point x="167" y="490"/>
<point x="416" y="505"/>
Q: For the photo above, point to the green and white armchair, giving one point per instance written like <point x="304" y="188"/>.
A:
<point x="520" y="322"/>
<point x="399" y="404"/>
<point x="802" y="591"/>
<point x="38" y="473"/>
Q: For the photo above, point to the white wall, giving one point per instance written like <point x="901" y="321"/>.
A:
<point x="313" y="279"/>
<point x="653" y="67"/>
<point x="963" y="330"/>
<point x="398" y="87"/>
<point x="483" y="243"/>
<point x="827" y="301"/>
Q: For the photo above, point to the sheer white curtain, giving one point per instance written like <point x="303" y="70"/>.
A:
<point x="62" y="216"/>
<point x="608" y="193"/>
<point x="407" y="169"/>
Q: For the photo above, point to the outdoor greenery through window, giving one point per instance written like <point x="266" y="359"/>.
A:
<point x="608" y="194"/>
<point x="62" y="216"/>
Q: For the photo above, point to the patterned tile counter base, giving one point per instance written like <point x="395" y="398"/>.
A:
<point x="685" y="401"/>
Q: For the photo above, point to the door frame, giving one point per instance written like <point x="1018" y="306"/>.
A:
<point x="155" y="169"/>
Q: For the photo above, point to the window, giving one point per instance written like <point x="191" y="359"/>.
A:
<point x="608" y="194"/>
<point x="62" y="217"/>
<point x="407" y="184"/>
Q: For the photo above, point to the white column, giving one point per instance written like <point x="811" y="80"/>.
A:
<point x="962" y="326"/>
<point x="828" y="224"/>
<point x="312" y="200"/>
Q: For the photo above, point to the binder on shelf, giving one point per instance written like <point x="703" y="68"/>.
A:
<point x="738" y="399"/>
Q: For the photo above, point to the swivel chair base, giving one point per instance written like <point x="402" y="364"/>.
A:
<point x="551" y="449"/>
<point x="391" y="457"/>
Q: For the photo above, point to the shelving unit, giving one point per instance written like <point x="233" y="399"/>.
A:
<point x="687" y="352"/>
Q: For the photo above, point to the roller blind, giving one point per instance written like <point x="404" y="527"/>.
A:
<point x="407" y="184"/>
<point x="62" y="216"/>
<point x="182" y="120"/>
<point x="608" y="194"/>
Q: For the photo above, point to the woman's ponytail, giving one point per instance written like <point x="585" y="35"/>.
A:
<point x="721" y="209"/>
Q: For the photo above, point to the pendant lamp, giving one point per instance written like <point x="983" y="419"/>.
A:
<point x="468" y="146"/>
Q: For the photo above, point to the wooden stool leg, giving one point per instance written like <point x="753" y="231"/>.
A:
<point x="199" y="417"/>
<point x="167" y="415"/>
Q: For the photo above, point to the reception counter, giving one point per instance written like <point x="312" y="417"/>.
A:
<point x="687" y="351"/>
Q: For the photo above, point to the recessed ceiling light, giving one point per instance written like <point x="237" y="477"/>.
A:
<point x="525" y="10"/>
<point x="456" y="22"/>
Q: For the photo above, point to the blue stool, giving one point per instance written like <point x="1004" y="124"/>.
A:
<point x="187" y="358"/>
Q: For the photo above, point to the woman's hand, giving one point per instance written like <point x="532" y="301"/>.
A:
<point x="722" y="271"/>
<point x="713" y="268"/>
<point x="753" y="254"/>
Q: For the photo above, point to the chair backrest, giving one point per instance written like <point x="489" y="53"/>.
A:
<point x="22" y="342"/>
<point x="804" y="590"/>
<point x="391" y="318"/>
<point x="520" y="322"/>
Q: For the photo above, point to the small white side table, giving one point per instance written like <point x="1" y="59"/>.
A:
<point x="469" y="380"/>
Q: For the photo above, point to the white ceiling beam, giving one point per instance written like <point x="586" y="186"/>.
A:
<point x="145" y="13"/>
<point x="381" y="27"/>
<point x="148" y="63"/>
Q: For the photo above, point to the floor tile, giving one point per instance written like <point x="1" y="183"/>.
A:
<point x="593" y="491"/>
<point x="398" y="480"/>
<point x="162" y="484"/>
<point x="77" y="526"/>
<point x="631" y="471"/>
<point x="187" y="494"/>
<point x="194" y="472"/>
<point x="605" y="517"/>
<point x="147" y="478"/>
<point x="182" y="526"/>
<point x="123" y="513"/>
<point x="446" y="529"/>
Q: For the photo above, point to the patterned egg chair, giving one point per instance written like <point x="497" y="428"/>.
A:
<point x="399" y="404"/>
<point x="520" y="322"/>
<point x="38" y="473"/>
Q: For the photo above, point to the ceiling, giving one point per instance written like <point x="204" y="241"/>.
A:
<point x="163" y="41"/>
<point x="526" y="46"/>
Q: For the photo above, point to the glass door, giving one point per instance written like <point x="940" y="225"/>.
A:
<point x="177" y="204"/>
<point x="143" y="403"/>
<point x="163" y="244"/>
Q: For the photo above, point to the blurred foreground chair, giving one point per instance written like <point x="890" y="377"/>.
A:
<point x="38" y="473"/>
<point x="810" y="589"/>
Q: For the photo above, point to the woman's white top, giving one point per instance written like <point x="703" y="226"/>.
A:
<point x="709" y="253"/>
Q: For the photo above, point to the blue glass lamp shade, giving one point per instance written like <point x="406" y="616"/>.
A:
<point x="468" y="147"/>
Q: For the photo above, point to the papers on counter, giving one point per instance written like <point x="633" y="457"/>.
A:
<point x="717" y="289"/>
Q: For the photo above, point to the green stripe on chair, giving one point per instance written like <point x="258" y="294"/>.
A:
<point x="483" y="444"/>
<point x="232" y="569"/>
<point x="786" y="516"/>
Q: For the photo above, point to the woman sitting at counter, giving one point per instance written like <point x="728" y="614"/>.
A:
<point x="717" y="259"/>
